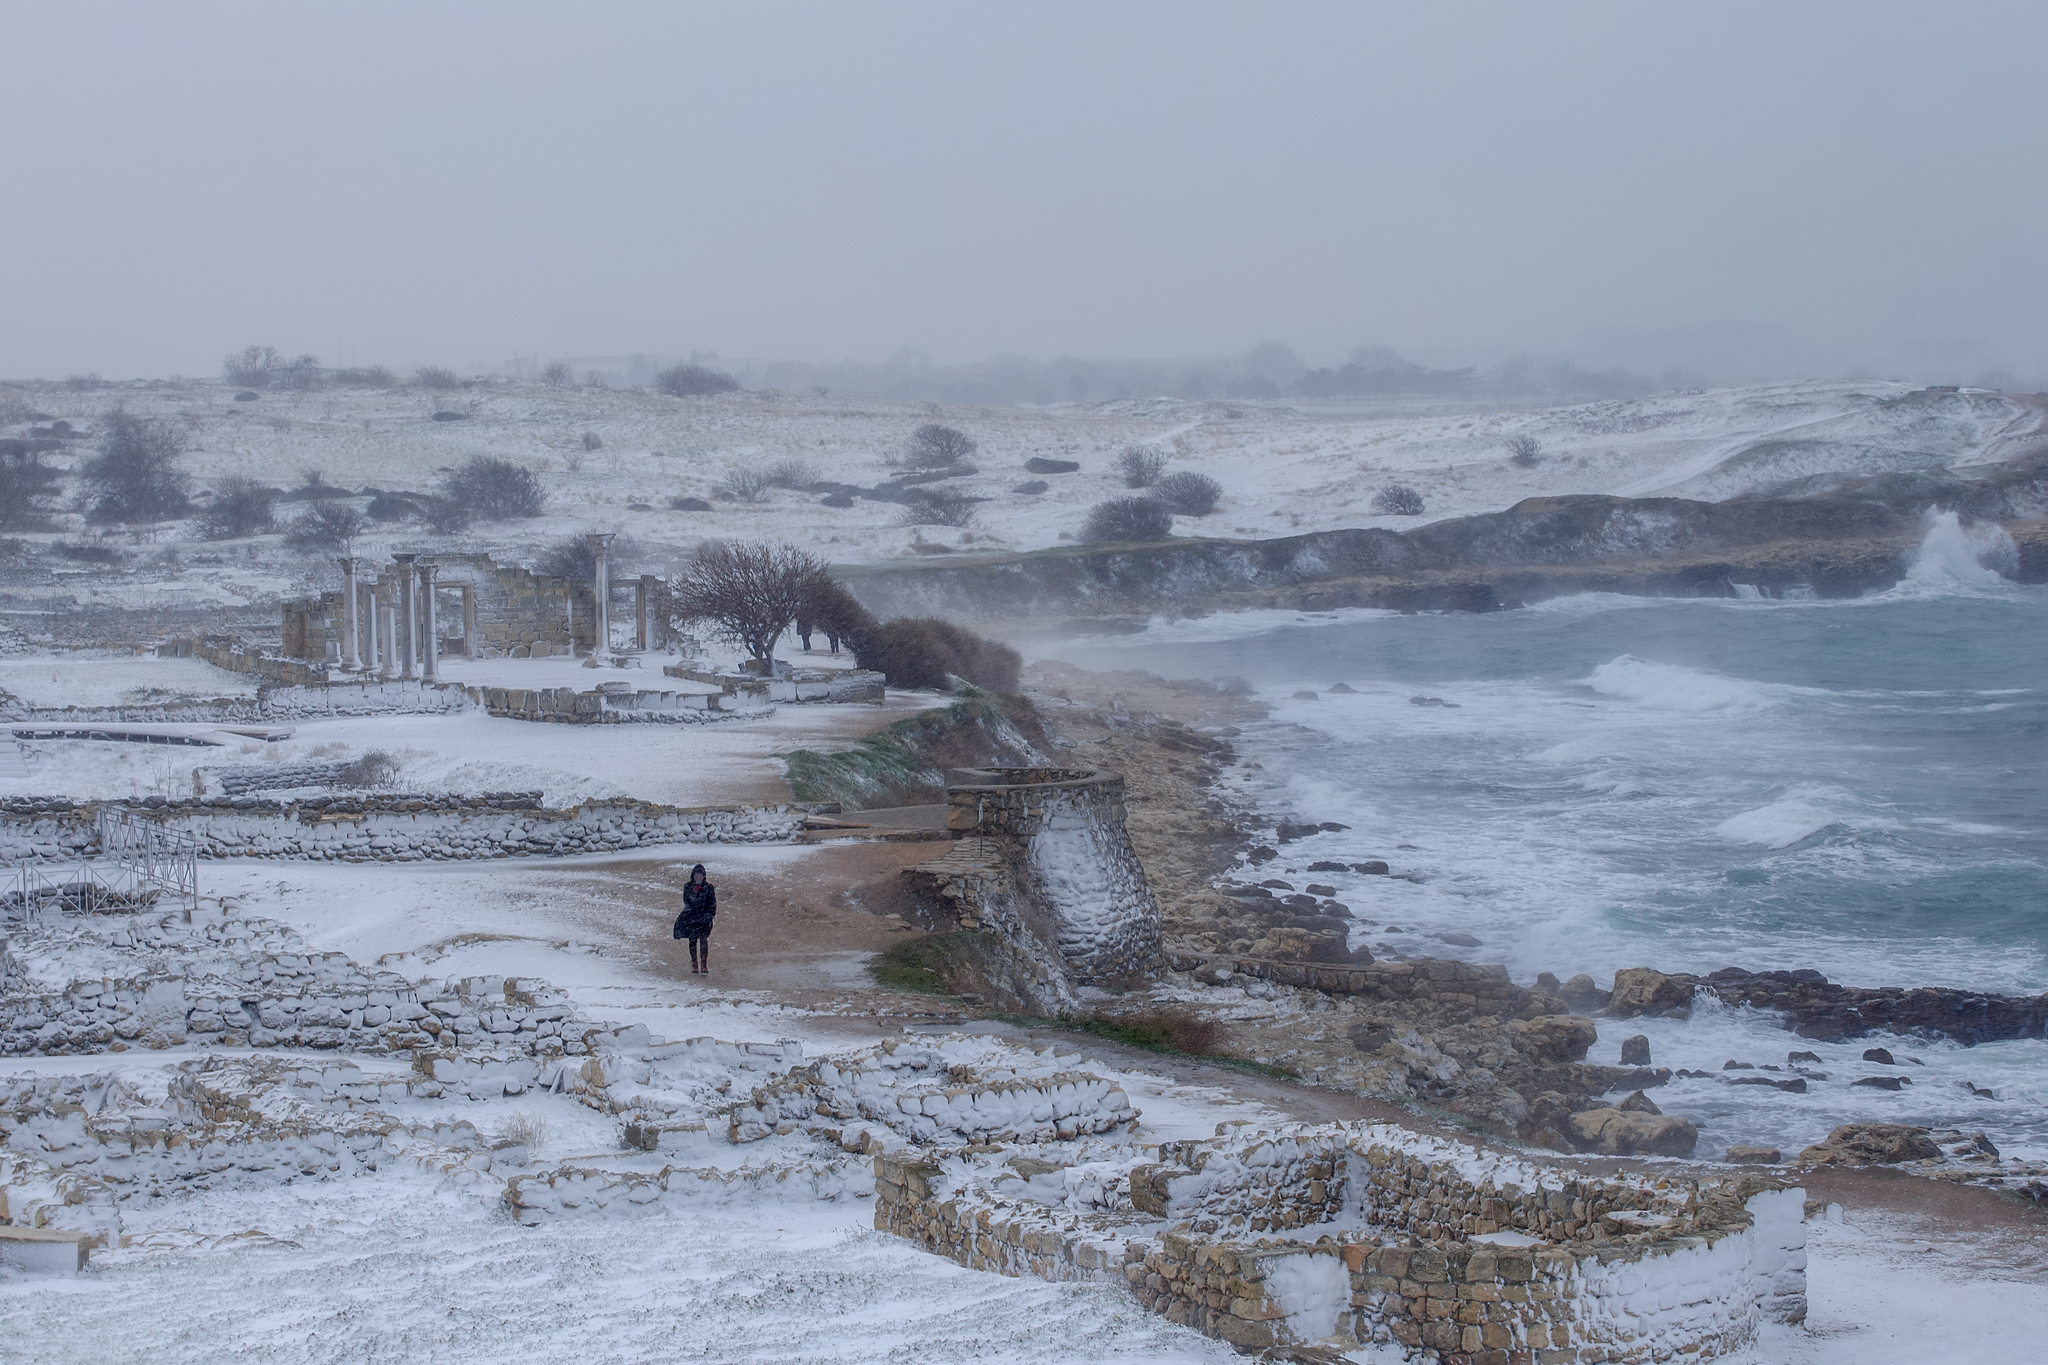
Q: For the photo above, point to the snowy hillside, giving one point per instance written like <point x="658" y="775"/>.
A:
<point x="614" y="459"/>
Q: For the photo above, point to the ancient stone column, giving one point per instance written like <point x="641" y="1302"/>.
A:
<point x="432" y="671"/>
<point x="643" y="593"/>
<point x="390" y="639"/>
<point x="408" y="657"/>
<point x="372" y="658"/>
<point x="601" y="589"/>
<point x="351" y="658"/>
<point x="469" y="641"/>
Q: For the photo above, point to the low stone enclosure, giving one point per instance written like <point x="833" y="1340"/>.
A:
<point x="390" y="828"/>
<point x="1340" y="1236"/>
<point x="788" y="683"/>
<point x="1041" y="861"/>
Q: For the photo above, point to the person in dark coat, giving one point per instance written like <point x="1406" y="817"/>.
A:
<point x="700" y="906"/>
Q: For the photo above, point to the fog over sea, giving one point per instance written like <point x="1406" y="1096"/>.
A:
<point x="1859" y="787"/>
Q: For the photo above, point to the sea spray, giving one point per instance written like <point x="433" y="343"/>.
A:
<point x="1954" y="558"/>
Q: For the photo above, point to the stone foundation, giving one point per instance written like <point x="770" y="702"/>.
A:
<point x="1341" y="1236"/>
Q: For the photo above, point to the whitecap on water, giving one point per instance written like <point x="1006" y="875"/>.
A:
<point x="1674" y="687"/>
<point x="1800" y="813"/>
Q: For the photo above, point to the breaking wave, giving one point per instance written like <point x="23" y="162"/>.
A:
<point x="1955" y="560"/>
<point x="1673" y="687"/>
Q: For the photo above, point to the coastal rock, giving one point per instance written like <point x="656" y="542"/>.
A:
<point x="1554" y="1038"/>
<point x="1615" y="1132"/>
<point x="1879" y="1055"/>
<point x="1371" y="867"/>
<point x="1743" y="1155"/>
<point x="1635" y="1051"/>
<point x="1882" y="1082"/>
<point x="1581" y="994"/>
<point x="1638" y="1103"/>
<point x="1457" y="938"/>
<point x="1871" y="1144"/>
<point x="1645" y="990"/>
<point x="1816" y="1008"/>
<point x="1792" y="1058"/>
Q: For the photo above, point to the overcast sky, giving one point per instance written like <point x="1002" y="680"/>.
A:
<point x="1781" y="186"/>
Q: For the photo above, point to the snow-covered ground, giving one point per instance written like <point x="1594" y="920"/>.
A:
<point x="1283" y="468"/>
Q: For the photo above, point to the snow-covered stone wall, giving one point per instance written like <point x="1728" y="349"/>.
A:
<point x="1358" y="1235"/>
<point x="392" y="829"/>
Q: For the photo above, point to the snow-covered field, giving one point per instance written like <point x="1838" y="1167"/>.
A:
<point x="1283" y="469"/>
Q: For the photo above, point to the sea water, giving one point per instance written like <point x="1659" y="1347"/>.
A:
<point x="1859" y="787"/>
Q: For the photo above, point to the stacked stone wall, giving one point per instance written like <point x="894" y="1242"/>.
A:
<point x="1440" y="981"/>
<point x="567" y="706"/>
<point x="1395" y="1240"/>
<point x="390" y="828"/>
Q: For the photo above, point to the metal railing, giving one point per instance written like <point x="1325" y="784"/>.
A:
<point x="141" y="865"/>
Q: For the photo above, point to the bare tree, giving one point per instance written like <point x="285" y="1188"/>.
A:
<point x="1141" y="466"/>
<point x="330" y="526"/>
<point x="436" y="377"/>
<point x="558" y="374"/>
<point x="493" y="489"/>
<point x="748" y="592"/>
<point x="1524" y="451"/>
<point x="241" y="507"/>
<point x="935" y="446"/>
<point x="746" y="483"/>
<point x="28" y="487"/>
<point x="251" y="367"/>
<point x="136" y="475"/>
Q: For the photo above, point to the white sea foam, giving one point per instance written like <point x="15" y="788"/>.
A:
<point x="1673" y="687"/>
<point x="1800" y="813"/>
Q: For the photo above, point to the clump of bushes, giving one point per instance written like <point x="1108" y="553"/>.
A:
<point x="330" y="526"/>
<point x="682" y="504"/>
<point x="1397" y="500"/>
<point x="1524" y="452"/>
<point x="136" y="475"/>
<point x="28" y="487"/>
<point x="936" y="507"/>
<point x="693" y="381"/>
<point x="592" y="441"/>
<point x="366" y="377"/>
<point x="1141" y="466"/>
<point x="926" y="651"/>
<point x="1188" y="494"/>
<point x="937" y="446"/>
<point x="491" y="489"/>
<point x="436" y="377"/>
<point x="251" y="367"/>
<point x="746" y="483"/>
<point x="1128" y="519"/>
<point x="558" y="374"/>
<point x="374" y="769"/>
<point x="791" y="471"/>
<point x="241" y="507"/>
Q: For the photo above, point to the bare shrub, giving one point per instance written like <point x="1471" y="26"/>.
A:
<point x="935" y="446"/>
<point x="746" y="483"/>
<point x="367" y="377"/>
<point x="1128" y="519"/>
<point x="491" y="489"/>
<point x="136" y="475"/>
<point x="398" y="507"/>
<point x="90" y="379"/>
<point x="1188" y="494"/>
<point x="693" y="381"/>
<point x="791" y="471"/>
<point x="936" y="507"/>
<point x="558" y="374"/>
<point x="241" y="507"/>
<point x="330" y="526"/>
<point x="28" y="487"/>
<point x="436" y="377"/>
<point x="1397" y="500"/>
<point x="14" y="408"/>
<point x="1141" y="466"/>
<point x="749" y="593"/>
<point x="1524" y="451"/>
<point x="374" y="769"/>
<point x="592" y="441"/>
<point x="526" y="1130"/>
<point x="251" y="367"/>
<point x="299" y="375"/>
<point x="927" y="652"/>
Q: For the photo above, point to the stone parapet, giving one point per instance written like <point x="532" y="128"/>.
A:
<point x="1444" y="981"/>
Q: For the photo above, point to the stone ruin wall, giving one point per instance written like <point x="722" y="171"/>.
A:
<point x="1688" y="1269"/>
<point x="1043" y="862"/>
<point x="390" y="828"/>
<point x="519" y="614"/>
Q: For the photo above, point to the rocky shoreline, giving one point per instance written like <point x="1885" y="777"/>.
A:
<point x="1268" y="961"/>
